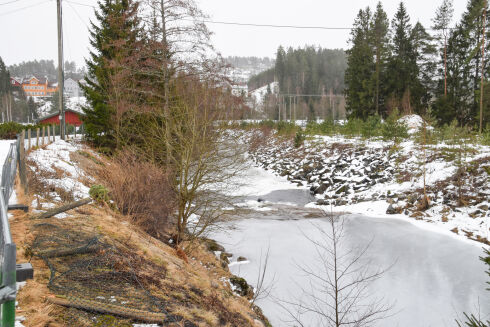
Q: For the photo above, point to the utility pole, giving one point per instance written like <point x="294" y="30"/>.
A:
<point x="60" y="71"/>
<point x="482" y="64"/>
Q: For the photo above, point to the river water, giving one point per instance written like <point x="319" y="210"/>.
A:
<point x="433" y="278"/>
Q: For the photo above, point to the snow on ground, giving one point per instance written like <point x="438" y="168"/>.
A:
<point x="259" y="94"/>
<point x="54" y="159"/>
<point x="413" y="122"/>
<point x="367" y="177"/>
<point x="73" y="103"/>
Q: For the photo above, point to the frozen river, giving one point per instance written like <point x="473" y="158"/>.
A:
<point x="434" y="280"/>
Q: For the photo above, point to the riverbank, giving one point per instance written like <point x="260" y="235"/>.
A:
<point x="94" y="266"/>
<point x="434" y="278"/>
<point x="378" y="178"/>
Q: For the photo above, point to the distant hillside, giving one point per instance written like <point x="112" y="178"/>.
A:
<point x="305" y="71"/>
<point x="245" y="67"/>
<point x="46" y="68"/>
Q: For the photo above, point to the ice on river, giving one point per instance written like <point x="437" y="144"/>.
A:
<point x="434" y="280"/>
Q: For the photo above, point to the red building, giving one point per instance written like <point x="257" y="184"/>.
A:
<point x="16" y="82"/>
<point x="72" y="117"/>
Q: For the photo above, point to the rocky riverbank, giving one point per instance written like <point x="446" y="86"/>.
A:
<point x="347" y="173"/>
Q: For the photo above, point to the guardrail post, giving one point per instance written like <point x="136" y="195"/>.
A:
<point x="44" y="134"/>
<point x="49" y="134"/>
<point x="22" y="164"/>
<point x="37" y="137"/>
<point x="28" y="139"/>
<point x="9" y="280"/>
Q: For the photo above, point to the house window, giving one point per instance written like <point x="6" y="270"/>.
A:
<point x="33" y="82"/>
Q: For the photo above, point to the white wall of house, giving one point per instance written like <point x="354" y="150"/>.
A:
<point x="72" y="89"/>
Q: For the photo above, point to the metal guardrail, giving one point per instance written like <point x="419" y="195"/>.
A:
<point x="8" y="287"/>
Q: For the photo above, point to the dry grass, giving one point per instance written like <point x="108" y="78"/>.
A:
<point x="140" y="191"/>
<point x="192" y="290"/>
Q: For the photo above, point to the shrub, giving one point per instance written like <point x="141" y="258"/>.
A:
<point x="299" y="138"/>
<point x="371" y="127"/>
<point x="392" y="129"/>
<point x="9" y="131"/>
<point x="99" y="193"/>
<point x="286" y="128"/>
<point x="141" y="190"/>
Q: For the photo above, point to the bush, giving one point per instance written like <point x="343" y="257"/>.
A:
<point x="299" y="138"/>
<point x="392" y="129"/>
<point x="99" y="193"/>
<point x="140" y="190"/>
<point x="286" y="128"/>
<point x="9" y="131"/>
<point x="371" y="127"/>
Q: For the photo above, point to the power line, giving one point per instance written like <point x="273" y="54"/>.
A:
<point x="9" y="2"/>
<point x="77" y="14"/>
<point x="80" y="4"/>
<point x="274" y="26"/>
<point x="23" y="8"/>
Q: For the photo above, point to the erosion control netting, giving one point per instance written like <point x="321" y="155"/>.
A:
<point x="98" y="277"/>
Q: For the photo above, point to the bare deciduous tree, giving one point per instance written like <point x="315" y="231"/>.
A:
<point x="337" y="293"/>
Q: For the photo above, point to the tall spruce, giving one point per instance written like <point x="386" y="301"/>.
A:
<point x="281" y="68"/>
<point x="113" y="39"/>
<point x="380" y="37"/>
<point x="359" y="89"/>
<point x="425" y="54"/>
<point x="402" y="68"/>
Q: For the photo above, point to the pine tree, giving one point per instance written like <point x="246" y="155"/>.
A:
<point x="360" y="67"/>
<point x="114" y="40"/>
<point x="441" y="21"/>
<point x="464" y="68"/>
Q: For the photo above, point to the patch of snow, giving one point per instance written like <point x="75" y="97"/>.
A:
<point x="413" y="122"/>
<point x="56" y="156"/>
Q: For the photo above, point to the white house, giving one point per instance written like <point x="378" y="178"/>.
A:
<point x="72" y="89"/>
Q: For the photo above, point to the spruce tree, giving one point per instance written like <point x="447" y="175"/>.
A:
<point x="380" y="27"/>
<point x="281" y="68"/>
<point x="425" y="53"/>
<point x="359" y="89"/>
<point x="4" y="79"/>
<point x="113" y="39"/>
<point x="402" y="68"/>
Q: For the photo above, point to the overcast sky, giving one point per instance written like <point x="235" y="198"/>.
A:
<point x="28" y="27"/>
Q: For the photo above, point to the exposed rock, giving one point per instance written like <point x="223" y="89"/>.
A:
<point x="391" y="210"/>
<point x="240" y="259"/>
<point x="343" y="189"/>
<point x="321" y="189"/>
<point x="475" y="214"/>
<point x="483" y="207"/>
<point x="242" y="287"/>
<point x="213" y="246"/>
<point x="322" y="202"/>
<point x="223" y="257"/>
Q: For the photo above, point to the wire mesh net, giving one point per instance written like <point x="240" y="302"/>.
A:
<point x="94" y="276"/>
